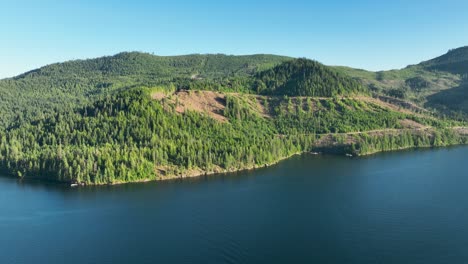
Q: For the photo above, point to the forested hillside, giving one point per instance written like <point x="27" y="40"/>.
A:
<point x="138" y="117"/>
<point x="131" y="137"/>
<point x="64" y="86"/>
<point x="454" y="61"/>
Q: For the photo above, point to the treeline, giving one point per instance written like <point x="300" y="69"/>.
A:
<point x="129" y="137"/>
<point x="358" y="144"/>
<point x="368" y="144"/>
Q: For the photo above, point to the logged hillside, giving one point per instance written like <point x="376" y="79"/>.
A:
<point x="65" y="86"/>
<point x="440" y="84"/>
<point x="414" y="83"/>
<point x="456" y="98"/>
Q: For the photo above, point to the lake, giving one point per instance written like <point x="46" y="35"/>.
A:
<point x="400" y="207"/>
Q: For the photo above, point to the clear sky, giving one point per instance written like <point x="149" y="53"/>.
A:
<point x="369" y="34"/>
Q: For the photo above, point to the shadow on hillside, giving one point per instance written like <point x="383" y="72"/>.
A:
<point x="454" y="100"/>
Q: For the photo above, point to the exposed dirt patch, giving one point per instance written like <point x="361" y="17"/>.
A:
<point x="384" y="104"/>
<point x="333" y="140"/>
<point x="402" y="103"/>
<point x="256" y="103"/>
<point x="261" y="106"/>
<point x="158" y="95"/>
<point x="337" y="139"/>
<point x="408" y="123"/>
<point x="207" y="102"/>
<point x="461" y="130"/>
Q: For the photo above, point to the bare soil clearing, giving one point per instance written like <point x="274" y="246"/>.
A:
<point x="207" y="102"/>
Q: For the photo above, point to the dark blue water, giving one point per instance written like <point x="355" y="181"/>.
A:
<point x="403" y="207"/>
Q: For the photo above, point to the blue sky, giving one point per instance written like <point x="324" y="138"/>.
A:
<point x="365" y="34"/>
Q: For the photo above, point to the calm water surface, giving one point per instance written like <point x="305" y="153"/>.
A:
<point x="404" y="207"/>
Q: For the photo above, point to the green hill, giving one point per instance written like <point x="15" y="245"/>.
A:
<point x="304" y="77"/>
<point x="145" y="65"/>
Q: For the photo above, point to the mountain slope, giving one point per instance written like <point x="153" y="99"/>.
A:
<point x="146" y="65"/>
<point x="64" y="86"/>
<point x="454" y="100"/>
<point x="439" y="84"/>
<point x="454" y="61"/>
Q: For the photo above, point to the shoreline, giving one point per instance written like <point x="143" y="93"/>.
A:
<point x="199" y="173"/>
<point x="250" y="168"/>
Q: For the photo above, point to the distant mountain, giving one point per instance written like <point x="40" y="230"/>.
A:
<point x="455" y="61"/>
<point x="145" y="65"/>
<point x="455" y="99"/>
<point x="439" y="84"/>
